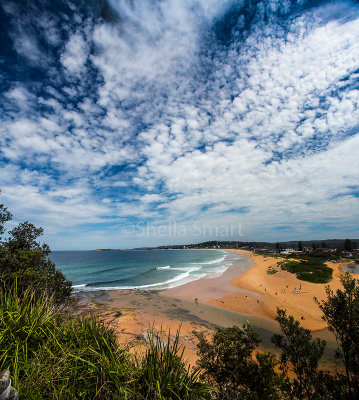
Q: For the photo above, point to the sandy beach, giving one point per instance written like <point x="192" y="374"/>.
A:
<point x="207" y="303"/>
<point x="257" y="293"/>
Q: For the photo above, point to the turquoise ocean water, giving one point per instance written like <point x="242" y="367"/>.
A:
<point x="152" y="269"/>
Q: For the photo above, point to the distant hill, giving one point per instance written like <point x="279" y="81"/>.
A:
<point x="327" y="243"/>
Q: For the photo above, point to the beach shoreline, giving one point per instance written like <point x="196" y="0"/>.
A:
<point x="257" y="293"/>
<point x="245" y="291"/>
<point x="131" y="313"/>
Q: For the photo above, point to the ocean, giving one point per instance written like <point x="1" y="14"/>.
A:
<point x="134" y="269"/>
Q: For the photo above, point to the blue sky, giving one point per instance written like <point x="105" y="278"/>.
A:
<point x="127" y="124"/>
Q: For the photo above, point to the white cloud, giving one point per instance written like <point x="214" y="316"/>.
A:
<point x="27" y="46"/>
<point x="19" y="94"/>
<point x="178" y="125"/>
<point x="63" y="208"/>
<point x="76" y="53"/>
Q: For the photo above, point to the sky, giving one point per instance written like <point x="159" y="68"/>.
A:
<point x="150" y="122"/>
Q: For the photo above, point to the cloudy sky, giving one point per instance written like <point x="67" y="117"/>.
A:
<point x="131" y="123"/>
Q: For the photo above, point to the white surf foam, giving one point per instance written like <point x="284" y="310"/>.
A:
<point x="167" y="267"/>
<point x="176" y="281"/>
<point x="186" y="275"/>
<point x="218" y="260"/>
<point x="78" y="286"/>
<point x="218" y="271"/>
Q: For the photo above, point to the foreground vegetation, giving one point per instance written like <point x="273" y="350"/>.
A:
<point x="54" y="355"/>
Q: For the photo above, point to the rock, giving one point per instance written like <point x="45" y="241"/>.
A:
<point x="6" y="391"/>
<point x="4" y="380"/>
<point x="14" y="395"/>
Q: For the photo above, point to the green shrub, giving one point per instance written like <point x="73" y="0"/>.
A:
<point x="310" y="270"/>
<point x="25" y="325"/>
<point x="300" y="354"/>
<point x="85" y="363"/>
<point x="271" y="270"/>
<point x="341" y="313"/>
<point x="227" y="362"/>
<point x="24" y="260"/>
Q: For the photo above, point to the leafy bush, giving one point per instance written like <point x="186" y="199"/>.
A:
<point x="341" y="312"/>
<point x="25" y="261"/>
<point x="300" y="353"/>
<point x="271" y="270"/>
<point x="228" y="364"/>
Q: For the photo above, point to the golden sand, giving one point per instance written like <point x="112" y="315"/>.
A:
<point x="257" y="293"/>
<point x="281" y="289"/>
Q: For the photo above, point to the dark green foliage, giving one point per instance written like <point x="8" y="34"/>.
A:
<point x="24" y="260"/>
<point x="308" y="269"/>
<point x="330" y="386"/>
<point x="300" y="246"/>
<point x="271" y="270"/>
<point x="348" y="245"/>
<point x="341" y="313"/>
<point x="82" y="363"/>
<point x="5" y="216"/>
<point x="31" y="268"/>
<point x="228" y="364"/>
<point x="300" y="353"/>
<point x="23" y="237"/>
<point x="164" y="375"/>
<point x="266" y="383"/>
<point x="323" y="256"/>
<point x="226" y="359"/>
